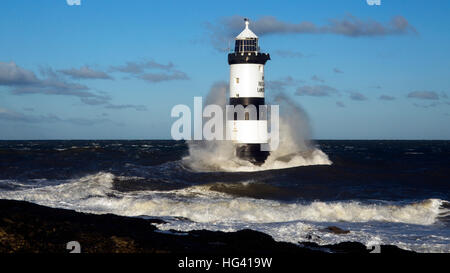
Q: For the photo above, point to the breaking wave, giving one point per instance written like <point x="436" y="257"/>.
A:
<point x="95" y="193"/>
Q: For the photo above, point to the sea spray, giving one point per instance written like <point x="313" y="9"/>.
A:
<point x="295" y="146"/>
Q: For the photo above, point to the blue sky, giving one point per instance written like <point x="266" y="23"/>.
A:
<point x="114" y="69"/>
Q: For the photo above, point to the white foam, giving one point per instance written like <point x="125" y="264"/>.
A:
<point x="221" y="158"/>
<point x="198" y="203"/>
<point x="67" y="195"/>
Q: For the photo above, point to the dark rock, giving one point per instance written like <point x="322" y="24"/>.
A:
<point x="30" y="228"/>
<point x="335" y="230"/>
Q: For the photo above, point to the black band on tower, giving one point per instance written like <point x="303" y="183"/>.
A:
<point x="248" y="58"/>
<point x="261" y="112"/>
<point x="244" y="101"/>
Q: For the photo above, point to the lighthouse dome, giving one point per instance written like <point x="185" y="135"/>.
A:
<point x="246" y="41"/>
<point x="246" y="33"/>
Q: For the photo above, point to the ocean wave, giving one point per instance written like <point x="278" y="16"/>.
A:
<point x="202" y="203"/>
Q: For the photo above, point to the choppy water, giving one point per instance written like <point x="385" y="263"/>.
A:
<point x="384" y="192"/>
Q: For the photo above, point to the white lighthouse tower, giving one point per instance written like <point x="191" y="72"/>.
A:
<point x="249" y="130"/>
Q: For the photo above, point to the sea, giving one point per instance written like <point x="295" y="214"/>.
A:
<point x="382" y="191"/>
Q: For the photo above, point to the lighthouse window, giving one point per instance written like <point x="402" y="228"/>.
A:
<point x="237" y="80"/>
<point x="245" y="45"/>
<point x="247" y="115"/>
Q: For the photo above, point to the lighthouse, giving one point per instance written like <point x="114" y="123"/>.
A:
<point x="249" y="130"/>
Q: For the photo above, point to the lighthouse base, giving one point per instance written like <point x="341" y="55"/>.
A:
<point x="252" y="153"/>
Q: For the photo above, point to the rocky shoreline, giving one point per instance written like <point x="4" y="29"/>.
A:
<point x="30" y="228"/>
